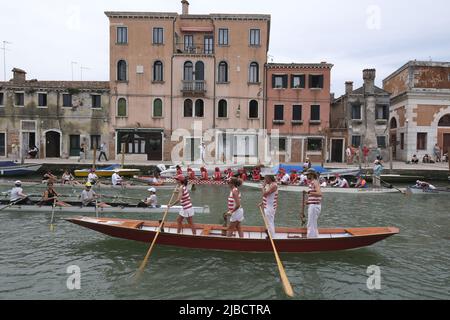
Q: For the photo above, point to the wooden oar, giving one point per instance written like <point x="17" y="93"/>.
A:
<point x="144" y="262"/>
<point x="393" y="187"/>
<point x="10" y="205"/>
<point x="52" y="227"/>
<point x="302" y="214"/>
<point x="284" y="279"/>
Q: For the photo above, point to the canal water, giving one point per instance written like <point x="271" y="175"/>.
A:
<point x="413" y="265"/>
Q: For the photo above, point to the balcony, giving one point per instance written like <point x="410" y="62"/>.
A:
<point x="194" y="49"/>
<point x="194" y="88"/>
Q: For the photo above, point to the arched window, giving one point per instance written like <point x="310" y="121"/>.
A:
<point x="254" y="73"/>
<point x="122" y="70"/>
<point x="188" y="108"/>
<point x="223" y="109"/>
<point x="393" y="123"/>
<point x="445" y="121"/>
<point x="158" y="74"/>
<point x="122" y="107"/>
<point x="253" y="112"/>
<point x="223" y="72"/>
<point x="188" y="71"/>
<point x="199" y="71"/>
<point x="157" y="108"/>
<point x="199" y="108"/>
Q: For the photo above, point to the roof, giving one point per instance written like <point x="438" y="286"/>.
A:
<point x="377" y="91"/>
<point x="174" y="15"/>
<point x="79" y="85"/>
<point x="299" y="66"/>
<point x="415" y="63"/>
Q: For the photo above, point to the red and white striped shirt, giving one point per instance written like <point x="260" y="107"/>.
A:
<point x="271" y="201"/>
<point x="231" y="202"/>
<point x="313" y="199"/>
<point x="185" y="199"/>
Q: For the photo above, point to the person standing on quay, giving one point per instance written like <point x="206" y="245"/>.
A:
<point x="377" y="170"/>
<point x="314" y="203"/>
<point x="102" y="152"/>
<point x="366" y="151"/>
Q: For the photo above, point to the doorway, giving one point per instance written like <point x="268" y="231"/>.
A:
<point x="393" y="144"/>
<point x="192" y="149"/>
<point x="337" y="150"/>
<point x="154" y="148"/>
<point x="75" y="146"/>
<point x="446" y="142"/>
<point x="52" y="144"/>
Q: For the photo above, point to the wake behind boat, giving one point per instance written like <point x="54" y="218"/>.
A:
<point x="290" y="240"/>
<point x="297" y="188"/>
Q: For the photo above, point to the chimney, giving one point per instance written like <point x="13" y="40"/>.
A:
<point x="348" y="87"/>
<point x="369" y="80"/>
<point x="19" y="75"/>
<point x="185" y="4"/>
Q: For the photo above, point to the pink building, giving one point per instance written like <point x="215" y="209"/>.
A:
<point x="298" y="107"/>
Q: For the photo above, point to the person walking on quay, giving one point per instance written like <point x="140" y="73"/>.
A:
<point x="366" y="151"/>
<point x="437" y="153"/>
<point x="348" y="154"/>
<point x="270" y="201"/>
<point x="314" y="203"/>
<point x="82" y="152"/>
<point x="235" y="210"/>
<point x="102" y="152"/>
<point x="377" y="170"/>
<point x="187" y="212"/>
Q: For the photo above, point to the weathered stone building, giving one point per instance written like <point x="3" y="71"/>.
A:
<point x="55" y="116"/>
<point x="420" y="108"/>
<point x="360" y="118"/>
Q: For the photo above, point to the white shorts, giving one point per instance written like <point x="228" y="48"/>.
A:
<point x="188" y="213"/>
<point x="237" y="216"/>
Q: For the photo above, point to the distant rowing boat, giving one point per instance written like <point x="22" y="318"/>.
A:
<point x="9" y="168"/>
<point x="294" y="188"/>
<point x="116" y="208"/>
<point x="292" y="240"/>
<point x="108" y="172"/>
<point x="439" y="191"/>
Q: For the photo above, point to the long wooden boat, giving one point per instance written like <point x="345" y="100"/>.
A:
<point x="108" y="172"/>
<point x="290" y="240"/>
<point x="100" y="187"/>
<point x="437" y="191"/>
<point x="116" y="208"/>
<point x="9" y="168"/>
<point x="296" y="188"/>
<point x="191" y="181"/>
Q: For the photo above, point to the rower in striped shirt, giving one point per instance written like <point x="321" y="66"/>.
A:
<point x="314" y="203"/>
<point x="270" y="201"/>
<point x="187" y="212"/>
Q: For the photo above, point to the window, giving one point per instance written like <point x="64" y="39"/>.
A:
<point x="122" y="70"/>
<point x="223" y="37"/>
<point x="316" y="81"/>
<point x="96" y="101"/>
<point x="95" y="142"/>
<point x="189" y="43"/>
<point x="42" y="99"/>
<point x="157" y="108"/>
<point x="188" y="71"/>
<point x="314" y="144"/>
<point x="74" y="145"/>
<point x="209" y="44"/>
<point x="315" y="113"/>
<point x="158" y="35"/>
<point x="223" y="72"/>
<point x="122" y="35"/>
<point x="134" y="143"/>
<point x="382" y="113"/>
<point x="255" y="37"/>
<point x="402" y="141"/>
<point x="298" y="81"/>
<point x="223" y="109"/>
<point x="254" y="73"/>
<point x="19" y="99"/>
<point x="122" y="107"/>
<point x="279" y="113"/>
<point x="356" y="141"/>
<point x="356" y="112"/>
<point x="422" y="141"/>
<point x="2" y="145"/>
<point x="199" y="108"/>
<point x="278" y="144"/>
<point x="1" y="98"/>
<point x="279" y="81"/>
<point x="67" y="100"/>
<point x="297" y="113"/>
<point x="188" y="108"/>
<point x="253" y="112"/>
<point x="381" y="141"/>
<point x="158" y="71"/>
<point x="443" y="122"/>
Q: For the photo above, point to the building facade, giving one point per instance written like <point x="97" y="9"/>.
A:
<point x="420" y="108"/>
<point x="298" y="110"/>
<point x="175" y="77"/>
<point x="55" y="116"/>
<point x="360" y="118"/>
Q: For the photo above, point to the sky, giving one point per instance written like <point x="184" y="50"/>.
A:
<point x="46" y="36"/>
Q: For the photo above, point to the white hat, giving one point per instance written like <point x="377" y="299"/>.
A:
<point x="152" y="190"/>
<point x="116" y="171"/>
<point x="18" y="182"/>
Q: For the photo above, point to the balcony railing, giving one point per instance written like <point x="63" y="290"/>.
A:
<point x="194" y="87"/>
<point x="194" y="48"/>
